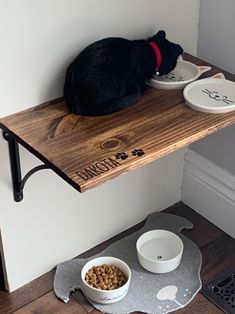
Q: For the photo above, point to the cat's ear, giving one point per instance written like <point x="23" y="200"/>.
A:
<point x="159" y="36"/>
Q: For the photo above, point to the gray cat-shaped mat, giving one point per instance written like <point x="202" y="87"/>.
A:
<point x="148" y="292"/>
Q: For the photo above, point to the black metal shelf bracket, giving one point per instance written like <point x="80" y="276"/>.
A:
<point x="17" y="181"/>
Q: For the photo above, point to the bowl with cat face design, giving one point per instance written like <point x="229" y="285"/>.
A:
<point x="214" y="94"/>
<point x="184" y="73"/>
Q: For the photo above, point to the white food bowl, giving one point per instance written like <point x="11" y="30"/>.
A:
<point x="159" y="251"/>
<point x="106" y="296"/>
<point x="211" y="95"/>
<point x="184" y="73"/>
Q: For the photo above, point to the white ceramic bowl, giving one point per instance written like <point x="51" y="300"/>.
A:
<point x="159" y="251"/>
<point x="211" y="95"/>
<point x="106" y="296"/>
<point x="184" y="73"/>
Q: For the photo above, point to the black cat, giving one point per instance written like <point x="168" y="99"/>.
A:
<point x="111" y="74"/>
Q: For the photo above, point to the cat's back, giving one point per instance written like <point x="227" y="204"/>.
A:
<point x="105" y="51"/>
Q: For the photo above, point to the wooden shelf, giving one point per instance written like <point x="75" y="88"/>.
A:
<point x="87" y="151"/>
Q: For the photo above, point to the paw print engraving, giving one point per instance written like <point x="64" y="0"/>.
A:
<point x="138" y="152"/>
<point x="121" y="156"/>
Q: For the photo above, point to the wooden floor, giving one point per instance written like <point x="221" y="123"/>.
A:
<point x="218" y="250"/>
<point x="1" y="274"/>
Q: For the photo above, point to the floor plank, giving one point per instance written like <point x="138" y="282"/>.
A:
<point x="10" y="302"/>
<point x="218" y="256"/>
<point x="203" y="232"/>
<point x="199" y="305"/>
<point x="48" y="304"/>
<point x="1" y="275"/>
<point x="218" y="250"/>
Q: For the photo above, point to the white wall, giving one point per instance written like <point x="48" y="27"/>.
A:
<point x="216" y="33"/>
<point x="38" y="40"/>
<point x="209" y="171"/>
<point x="216" y="43"/>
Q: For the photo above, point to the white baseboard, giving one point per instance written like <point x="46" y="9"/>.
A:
<point x="209" y="190"/>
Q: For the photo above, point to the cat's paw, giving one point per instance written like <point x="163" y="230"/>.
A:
<point x="138" y="152"/>
<point x="121" y="156"/>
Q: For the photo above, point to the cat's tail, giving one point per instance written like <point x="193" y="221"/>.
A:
<point x="109" y="108"/>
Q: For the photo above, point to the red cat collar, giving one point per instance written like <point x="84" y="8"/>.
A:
<point x="157" y="54"/>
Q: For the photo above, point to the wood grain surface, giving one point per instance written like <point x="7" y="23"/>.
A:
<point x="87" y="151"/>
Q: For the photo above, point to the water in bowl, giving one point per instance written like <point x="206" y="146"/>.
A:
<point x="157" y="250"/>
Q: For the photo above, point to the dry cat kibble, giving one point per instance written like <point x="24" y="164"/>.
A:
<point x="105" y="277"/>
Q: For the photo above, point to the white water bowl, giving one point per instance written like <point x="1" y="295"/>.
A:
<point x="159" y="251"/>
<point x="184" y="73"/>
<point x="106" y="296"/>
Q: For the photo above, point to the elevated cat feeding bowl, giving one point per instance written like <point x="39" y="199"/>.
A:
<point x="184" y="73"/>
<point x="159" y="251"/>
